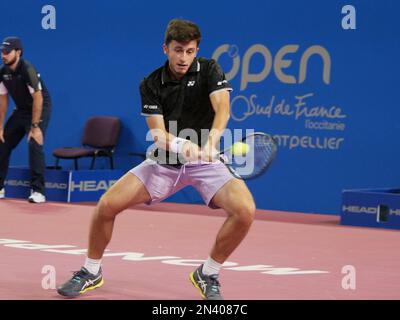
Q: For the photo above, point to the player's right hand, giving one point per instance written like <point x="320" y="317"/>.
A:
<point x="191" y="152"/>
<point x="209" y="153"/>
<point x="2" y="135"/>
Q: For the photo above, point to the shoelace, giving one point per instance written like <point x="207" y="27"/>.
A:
<point x="78" y="275"/>
<point x="215" y="284"/>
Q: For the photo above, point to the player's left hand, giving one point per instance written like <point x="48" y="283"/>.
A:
<point x="209" y="153"/>
<point x="37" y="135"/>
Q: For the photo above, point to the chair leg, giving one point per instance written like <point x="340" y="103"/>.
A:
<point x="93" y="162"/>
<point x="76" y="164"/>
<point x="111" y="162"/>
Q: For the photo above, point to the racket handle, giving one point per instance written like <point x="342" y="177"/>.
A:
<point x="223" y="158"/>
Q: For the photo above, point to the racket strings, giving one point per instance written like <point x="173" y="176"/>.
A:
<point x="262" y="151"/>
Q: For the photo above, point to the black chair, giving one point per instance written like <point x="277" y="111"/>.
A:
<point x="99" y="139"/>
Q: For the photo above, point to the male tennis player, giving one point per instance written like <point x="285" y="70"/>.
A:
<point x="186" y="93"/>
<point x="20" y="80"/>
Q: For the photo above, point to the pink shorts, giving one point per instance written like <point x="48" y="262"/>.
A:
<point x="163" y="181"/>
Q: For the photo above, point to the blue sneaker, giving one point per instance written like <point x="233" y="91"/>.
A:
<point x="81" y="282"/>
<point x="208" y="286"/>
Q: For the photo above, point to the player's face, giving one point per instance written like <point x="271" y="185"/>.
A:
<point x="9" y="58"/>
<point x="180" y="56"/>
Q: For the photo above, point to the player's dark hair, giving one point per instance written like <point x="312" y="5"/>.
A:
<point x="182" y="31"/>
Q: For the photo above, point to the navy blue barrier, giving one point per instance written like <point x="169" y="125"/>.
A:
<point x="89" y="185"/>
<point x="324" y="84"/>
<point x="17" y="184"/>
<point x="371" y="208"/>
<point x="63" y="186"/>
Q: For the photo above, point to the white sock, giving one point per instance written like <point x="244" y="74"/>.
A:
<point x="211" y="267"/>
<point x="92" y="265"/>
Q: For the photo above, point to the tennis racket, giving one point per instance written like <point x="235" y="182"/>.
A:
<point x="259" y="157"/>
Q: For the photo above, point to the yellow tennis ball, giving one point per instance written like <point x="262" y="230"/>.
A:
<point x="240" y="149"/>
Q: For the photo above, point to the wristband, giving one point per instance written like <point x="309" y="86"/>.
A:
<point x="176" y="145"/>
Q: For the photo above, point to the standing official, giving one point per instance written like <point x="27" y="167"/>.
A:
<point x="19" y="79"/>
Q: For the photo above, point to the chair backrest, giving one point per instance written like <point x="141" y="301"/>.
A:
<point x="101" y="132"/>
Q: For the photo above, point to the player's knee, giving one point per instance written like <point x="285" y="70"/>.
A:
<point x="107" y="207"/>
<point x="246" y="213"/>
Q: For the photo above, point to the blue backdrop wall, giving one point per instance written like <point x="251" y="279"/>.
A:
<point x="327" y="93"/>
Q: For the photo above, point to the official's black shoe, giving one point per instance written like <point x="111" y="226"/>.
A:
<point x="81" y="282"/>
<point x="208" y="286"/>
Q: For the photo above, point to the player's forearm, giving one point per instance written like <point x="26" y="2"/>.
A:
<point x="168" y="141"/>
<point x="37" y="107"/>
<point x="221" y="104"/>
<point x="162" y="138"/>
<point x="219" y="125"/>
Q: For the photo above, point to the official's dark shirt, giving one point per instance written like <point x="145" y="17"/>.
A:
<point x="186" y="102"/>
<point x="21" y="83"/>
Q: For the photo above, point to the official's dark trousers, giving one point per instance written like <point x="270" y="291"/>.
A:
<point x="16" y="128"/>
